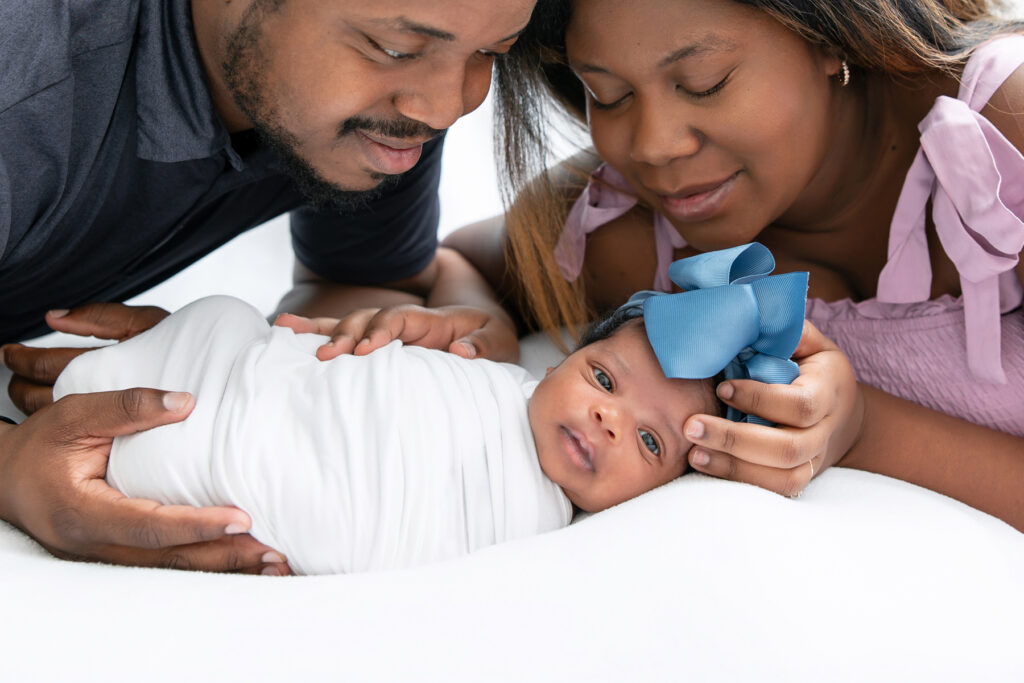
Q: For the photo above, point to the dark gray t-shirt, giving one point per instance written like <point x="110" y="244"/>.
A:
<point x="116" y="171"/>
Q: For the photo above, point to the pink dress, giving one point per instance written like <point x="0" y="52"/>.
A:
<point x="962" y="356"/>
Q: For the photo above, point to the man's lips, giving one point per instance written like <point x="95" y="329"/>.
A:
<point x="578" y="449"/>
<point x="699" y="201"/>
<point x="388" y="156"/>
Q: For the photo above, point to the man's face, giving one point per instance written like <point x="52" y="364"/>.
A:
<point x="348" y="92"/>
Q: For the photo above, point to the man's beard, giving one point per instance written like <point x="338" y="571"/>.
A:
<point x="244" y="68"/>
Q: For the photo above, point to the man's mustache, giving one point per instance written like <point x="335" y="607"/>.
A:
<point x="398" y="129"/>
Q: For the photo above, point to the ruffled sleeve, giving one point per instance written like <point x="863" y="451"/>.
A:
<point x="605" y="198"/>
<point x="973" y="176"/>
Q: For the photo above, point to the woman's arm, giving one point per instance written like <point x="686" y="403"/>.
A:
<point x="981" y="467"/>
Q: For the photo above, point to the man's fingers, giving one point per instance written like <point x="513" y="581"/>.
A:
<point x="792" y="405"/>
<point x="493" y="341"/>
<point x="302" y="325"/>
<point x="106" y="320"/>
<point x="786" y="482"/>
<point x="108" y="517"/>
<point x="29" y="396"/>
<point x="116" y="413"/>
<point x="775" y="447"/>
<point x="241" y="553"/>
<point x="39" y="365"/>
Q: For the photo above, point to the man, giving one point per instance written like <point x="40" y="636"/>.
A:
<point x="136" y="136"/>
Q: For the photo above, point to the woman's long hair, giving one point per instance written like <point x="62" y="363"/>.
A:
<point x="901" y="38"/>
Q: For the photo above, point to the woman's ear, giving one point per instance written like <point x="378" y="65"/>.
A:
<point x="831" y="61"/>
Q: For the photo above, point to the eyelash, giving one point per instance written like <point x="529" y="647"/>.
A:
<point x="698" y="95"/>
<point x="656" y="451"/>
<point x="397" y="56"/>
<point x="393" y="55"/>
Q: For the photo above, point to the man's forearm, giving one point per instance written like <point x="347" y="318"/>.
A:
<point x="322" y="298"/>
<point x="981" y="467"/>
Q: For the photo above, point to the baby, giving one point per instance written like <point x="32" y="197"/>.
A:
<point x="407" y="455"/>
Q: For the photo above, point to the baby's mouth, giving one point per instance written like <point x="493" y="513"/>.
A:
<point x="578" y="449"/>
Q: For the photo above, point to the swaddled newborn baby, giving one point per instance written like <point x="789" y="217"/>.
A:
<point x="394" y="459"/>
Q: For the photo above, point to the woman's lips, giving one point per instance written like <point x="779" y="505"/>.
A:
<point x="387" y="159"/>
<point x="699" y="204"/>
<point x="577" y="448"/>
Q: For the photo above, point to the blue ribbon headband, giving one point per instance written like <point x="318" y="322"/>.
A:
<point x="732" y="316"/>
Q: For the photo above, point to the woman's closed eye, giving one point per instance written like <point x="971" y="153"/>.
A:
<point x="716" y="88"/>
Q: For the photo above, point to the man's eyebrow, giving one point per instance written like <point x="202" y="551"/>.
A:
<point x="405" y="24"/>
<point x="709" y="43"/>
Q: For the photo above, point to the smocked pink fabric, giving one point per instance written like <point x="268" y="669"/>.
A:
<point x="932" y="352"/>
<point x="606" y="197"/>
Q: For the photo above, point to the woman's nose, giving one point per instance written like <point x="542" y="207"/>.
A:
<point x="443" y="94"/>
<point x="662" y="133"/>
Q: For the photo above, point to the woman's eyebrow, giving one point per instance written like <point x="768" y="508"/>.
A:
<point x="707" y="44"/>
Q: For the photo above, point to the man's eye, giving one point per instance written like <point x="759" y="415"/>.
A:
<point x="649" y="442"/>
<point x="392" y="54"/>
<point x="604" y="380"/>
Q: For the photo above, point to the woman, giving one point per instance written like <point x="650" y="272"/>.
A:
<point x="874" y="144"/>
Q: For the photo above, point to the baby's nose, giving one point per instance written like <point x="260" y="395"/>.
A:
<point x="609" y="421"/>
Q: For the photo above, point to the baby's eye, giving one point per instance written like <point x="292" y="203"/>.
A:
<point x="604" y="380"/>
<point x="649" y="442"/>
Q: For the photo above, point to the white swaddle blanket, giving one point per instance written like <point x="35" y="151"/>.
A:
<point x="394" y="459"/>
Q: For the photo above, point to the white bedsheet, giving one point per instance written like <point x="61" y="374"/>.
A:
<point x="862" y="579"/>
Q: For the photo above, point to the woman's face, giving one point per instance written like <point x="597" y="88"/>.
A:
<point x="717" y="115"/>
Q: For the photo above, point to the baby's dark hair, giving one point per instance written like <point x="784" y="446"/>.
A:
<point x="611" y="322"/>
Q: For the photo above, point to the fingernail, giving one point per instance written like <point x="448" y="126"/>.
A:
<point x="699" y="458"/>
<point x="271" y="557"/>
<point x="470" y="349"/>
<point x="725" y="391"/>
<point x="235" y="528"/>
<point x="270" y="571"/>
<point x="694" y="430"/>
<point x="176" y="401"/>
<point x="58" y="312"/>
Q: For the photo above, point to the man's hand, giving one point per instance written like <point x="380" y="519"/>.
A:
<point x="52" y="486"/>
<point x="819" y="418"/>
<point x="36" y="369"/>
<point x="462" y="330"/>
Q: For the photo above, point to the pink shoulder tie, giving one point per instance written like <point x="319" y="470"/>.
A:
<point x="605" y="198"/>
<point x="977" y="213"/>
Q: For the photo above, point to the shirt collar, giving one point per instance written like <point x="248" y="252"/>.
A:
<point x="176" y="117"/>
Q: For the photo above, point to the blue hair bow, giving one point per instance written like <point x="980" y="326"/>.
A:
<point x="733" y="315"/>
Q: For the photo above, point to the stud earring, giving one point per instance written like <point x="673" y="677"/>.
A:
<point x="844" y="78"/>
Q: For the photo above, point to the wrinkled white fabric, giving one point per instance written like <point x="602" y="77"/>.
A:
<point x="395" y="459"/>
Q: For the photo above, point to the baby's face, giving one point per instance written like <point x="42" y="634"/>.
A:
<point x="608" y="424"/>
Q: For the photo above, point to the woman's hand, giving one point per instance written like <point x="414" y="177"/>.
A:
<point x="52" y="469"/>
<point x="819" y="418"/>
<point x="36" y="369"/>
<point x="462" y="330"/>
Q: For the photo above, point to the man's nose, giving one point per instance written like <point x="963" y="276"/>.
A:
<point x="442" y="95"/>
